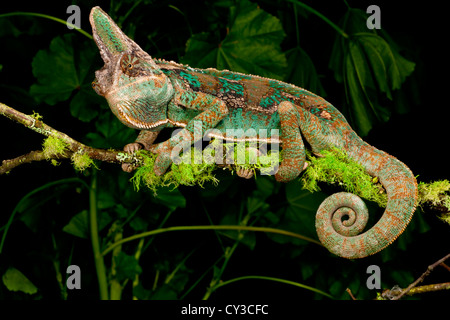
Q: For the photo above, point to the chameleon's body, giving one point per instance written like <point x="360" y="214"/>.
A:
<point x="150" y="95"/>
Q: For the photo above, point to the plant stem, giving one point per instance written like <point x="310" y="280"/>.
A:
<point x="115" y="285"/>
<point x="57" y="266"/>
<point x="224" y="283"/>
<point x="223" y="227"/>
<point x="227" y="255"/>
<point x="98" y="257"/>
<point x="137" y="255"/>
<point x="135" y="4"/>
<point x="321" y="16"/>
<point x="200" y="278"/>
<point x="35" y="14"/>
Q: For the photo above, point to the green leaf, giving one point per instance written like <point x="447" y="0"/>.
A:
<point x="30" y="207"/>
<point x="64" y="67"/>
<point x="79" y="224"/>
<point x="302" y="71"/>
<point x="138" y="224"/>
<point x="390" y="69"/>
<point x="266" y="186"/>
<point x="110" y="133"/>
<point x="127" y="267"/>
<point x="250" y="32"/>
<point x="8" y="28"/>
<point x="301" y="212"/>
<point x="164" y="293"/>
<point x="299" y="215"/>
<point x="82" y="108"/>
<point x="14" y="280"/>
<point x="141" y="293"/>
<point x="369" y="66"/>
<point x="171" y="198"/>
<point x="372" y="67"/>
<point x="246" y="238"/>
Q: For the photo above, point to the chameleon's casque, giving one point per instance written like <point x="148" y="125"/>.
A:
<point x="150" y="94"/>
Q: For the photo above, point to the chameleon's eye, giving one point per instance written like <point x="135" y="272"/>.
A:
<point x="129" y="65"/>
<point x="96" y="87"/>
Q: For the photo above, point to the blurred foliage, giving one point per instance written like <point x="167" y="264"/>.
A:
<point x="50" y="68"/>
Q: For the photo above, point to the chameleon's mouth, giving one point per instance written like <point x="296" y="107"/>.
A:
<point x="135" y="118"/>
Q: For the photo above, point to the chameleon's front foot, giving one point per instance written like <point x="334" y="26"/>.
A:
<point x="131" y="148"/>
<point x="144" y="141"/>
<point x="162" y="161"/>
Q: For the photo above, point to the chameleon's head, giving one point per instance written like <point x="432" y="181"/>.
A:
<point x="135" y="88"/>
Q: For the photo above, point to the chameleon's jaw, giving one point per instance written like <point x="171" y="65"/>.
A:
<point x="136" y="112"/>
<point x="139" y="104"/>
<point x="133" y="120"/>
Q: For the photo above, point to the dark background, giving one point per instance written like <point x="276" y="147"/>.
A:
<point x="418" y="138"/>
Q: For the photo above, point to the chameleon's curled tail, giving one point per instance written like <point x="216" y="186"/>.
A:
<point x="341" y="236"/>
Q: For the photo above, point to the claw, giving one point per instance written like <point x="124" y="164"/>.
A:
<point x="127" y="167"/>
<point x="244" y="173"/>
<point x="132" y="147"/>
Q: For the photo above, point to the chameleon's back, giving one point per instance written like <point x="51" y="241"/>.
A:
<point x="252" y="100"/>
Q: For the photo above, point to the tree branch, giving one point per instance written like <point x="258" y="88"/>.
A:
<point x="435" y="194"/>
<point x="412" y="286"/>
<point x="34" y="123"/>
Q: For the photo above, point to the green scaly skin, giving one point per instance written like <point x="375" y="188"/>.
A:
<point x="149" y="95"/>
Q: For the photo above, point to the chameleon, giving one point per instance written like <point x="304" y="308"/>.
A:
<point x="152" y="94"/>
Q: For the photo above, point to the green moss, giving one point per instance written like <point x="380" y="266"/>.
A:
<point x="179" y="174"/>
<point x="53" y="147"/>
<point x="197" y="171"/>
<point x="333" y="168"/>
<point x="337" y="169"/>
<point x="81" y="161"/>
<point x="436" y="194"/>
<point x="246" y="157"/>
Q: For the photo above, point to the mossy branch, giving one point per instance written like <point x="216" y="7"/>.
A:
<point x="57" y="146"/>
<point x="333" y="167"/>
